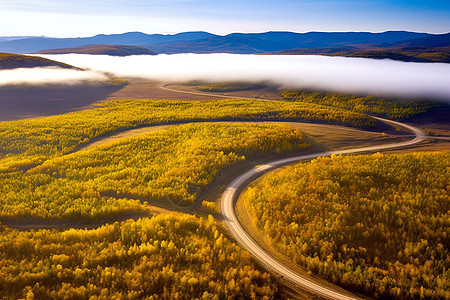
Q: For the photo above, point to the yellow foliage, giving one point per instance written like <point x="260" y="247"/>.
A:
<point x="171" y="165"/>
<point x="113" y="261"/>
<point x="376" y="222"/>
<point x="29" y="142"/>
<point x="393" y="109"/>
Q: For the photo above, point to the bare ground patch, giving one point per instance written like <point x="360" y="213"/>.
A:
<point x="21" y="102"/>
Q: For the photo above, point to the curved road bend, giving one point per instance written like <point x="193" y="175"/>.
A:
<point x="164" y="87"/>
<point x="231" y="194"/>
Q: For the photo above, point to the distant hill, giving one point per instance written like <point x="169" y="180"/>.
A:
<point x="204" y="42"/>
<point x="250" y="43"/>
<point x="11" y="38"/>
<point x="438" y="40"/>
<point x="35" y="44"/>
<point x="408" y="54"/>
<point x="434" y="48"/>
<point x="399" y="45"/>
<point x="113" y="50"/>
<point x="14" y="61"/>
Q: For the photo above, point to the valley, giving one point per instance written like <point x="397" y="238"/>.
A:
<point x="58" y="162"/>
<point x="136" y="187"/>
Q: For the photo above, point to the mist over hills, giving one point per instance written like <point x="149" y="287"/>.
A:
<point x="14" y="61"/>
<point x="239" y="43"/>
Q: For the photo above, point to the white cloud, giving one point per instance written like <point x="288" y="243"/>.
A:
<point x="354" y="75"/>
<point x="40" y="76"/>
<point x="348" y="75"/>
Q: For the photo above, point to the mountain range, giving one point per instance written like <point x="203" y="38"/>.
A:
<point x="243" y="43"/>
<point x="112" y="50"/>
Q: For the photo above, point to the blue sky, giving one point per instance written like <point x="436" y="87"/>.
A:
<point x="64" y="18"/>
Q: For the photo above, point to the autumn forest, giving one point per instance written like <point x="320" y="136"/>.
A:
<point x="90" y="210"/>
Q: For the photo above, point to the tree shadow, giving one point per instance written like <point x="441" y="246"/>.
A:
<point x="20" y="102"/>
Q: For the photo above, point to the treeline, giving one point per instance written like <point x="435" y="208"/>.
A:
<point x="228" y="87"/>
<point x="406" y="53"/>
<point x="33" y="141"/>
<point x="392" y="109"/>
<point x="13" y="61"/>
<point x="171" y="165"/>
<point x="170" y="256"/>
<point x="375" y="223"/>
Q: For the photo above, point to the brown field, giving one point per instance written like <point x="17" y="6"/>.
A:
<point x="151" y="89"/>
<point x="434" y="122"/>
<point x="22" y="102"/>
<point x="265" y="93"/>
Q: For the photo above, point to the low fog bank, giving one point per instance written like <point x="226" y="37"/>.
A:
<point x="48" y="75"/>
<point x="341" y="74"/>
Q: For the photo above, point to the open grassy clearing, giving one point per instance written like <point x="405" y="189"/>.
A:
<point x="150" y="89"/>
<point x="114" y="137"/>
<point x="222" y="87"/>
<point x="259" y="91"/>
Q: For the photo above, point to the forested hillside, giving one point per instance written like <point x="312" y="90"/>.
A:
<point x="14" y="61"/>
<point x="171" y="256"/>
<point x="377" y="223"/>
<point x="28" y="142"/>
<point x="102" y="182"/>
<point x="227" y="87"/>
<point x="396" y="109"/>
<point x="405" y="53"/>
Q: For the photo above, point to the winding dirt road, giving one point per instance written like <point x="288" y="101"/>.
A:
<point x="231" y="194"/>
<point x="165" y="87"/>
